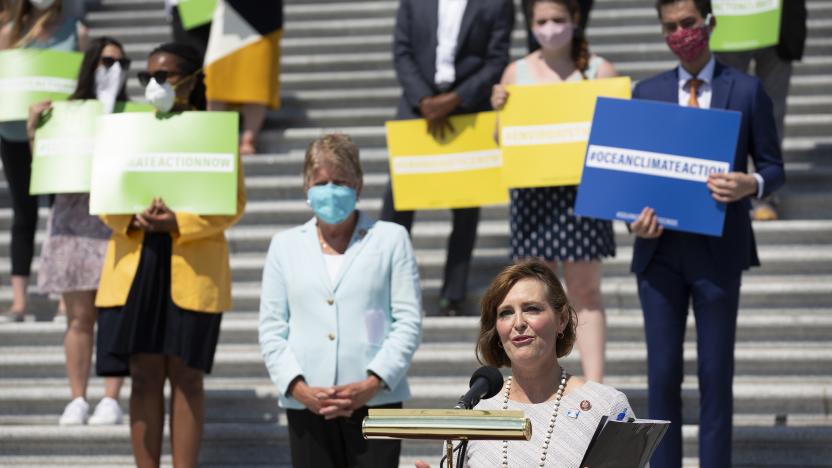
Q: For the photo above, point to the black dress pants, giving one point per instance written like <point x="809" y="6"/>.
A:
<point x="338" y="443"/>
<point x="460" y="244"/>
<point x="17" y="167"/>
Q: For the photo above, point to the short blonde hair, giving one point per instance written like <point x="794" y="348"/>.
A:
<point x="489" y="348"/>
<point x="337" y="150"/>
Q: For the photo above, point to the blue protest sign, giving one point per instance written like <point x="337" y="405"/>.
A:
<point x="647" y="153"/>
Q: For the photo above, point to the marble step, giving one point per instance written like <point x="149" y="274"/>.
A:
<point x="231" y="444"/>
<point x="623" y="325"/>
<point x="455" y="359"/>
<point x="785" y="399"/>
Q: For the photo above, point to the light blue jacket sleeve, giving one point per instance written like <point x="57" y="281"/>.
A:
<point x="273" y="330"/>
<point x="393" y="359"/>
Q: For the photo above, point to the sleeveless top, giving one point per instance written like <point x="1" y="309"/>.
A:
<point x="65" y="39"/>
<point x="523" y="72"/>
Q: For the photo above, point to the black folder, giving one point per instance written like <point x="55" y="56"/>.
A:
<point x="624" y="444"/>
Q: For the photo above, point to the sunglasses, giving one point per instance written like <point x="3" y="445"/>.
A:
<point x="160" y="76"/>
<point x="110" y="61"/>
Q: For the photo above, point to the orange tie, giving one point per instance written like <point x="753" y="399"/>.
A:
<point x="693" y="88"/>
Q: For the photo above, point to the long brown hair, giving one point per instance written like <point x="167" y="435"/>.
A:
<point x="489" y="349"/>
<point x="580" y="46"/>
<point x="24" y="9"/>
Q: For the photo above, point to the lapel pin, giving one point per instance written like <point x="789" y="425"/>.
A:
<point x="586" y="405"/>
<point x="573" y="413"/>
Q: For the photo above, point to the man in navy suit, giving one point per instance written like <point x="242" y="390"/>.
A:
<point x="675" y="268"/>
<point x="448" y="54"/>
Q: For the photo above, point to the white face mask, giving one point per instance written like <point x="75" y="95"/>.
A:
<point x="108" y="83"/>
<point x="162" y="97"/>
<point x="42" y="4"/>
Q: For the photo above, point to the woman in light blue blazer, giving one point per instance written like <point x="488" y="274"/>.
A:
<point x="340" y="316"/>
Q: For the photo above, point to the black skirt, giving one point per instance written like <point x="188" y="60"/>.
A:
<point x="149" y="322"/>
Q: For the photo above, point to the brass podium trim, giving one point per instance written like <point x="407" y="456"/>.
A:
<point x="446" y="424"/>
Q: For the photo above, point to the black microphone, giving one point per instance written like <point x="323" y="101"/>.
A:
<point x="485" y="383"/>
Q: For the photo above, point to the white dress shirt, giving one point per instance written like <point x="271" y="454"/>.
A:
<point x="447" y="32"/>
<point x="703" y="96"/>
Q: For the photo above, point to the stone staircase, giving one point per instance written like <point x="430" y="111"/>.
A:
<point x="337" y="74"/>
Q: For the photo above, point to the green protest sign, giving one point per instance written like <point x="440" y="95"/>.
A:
<point x="62" y="153"/>
<point x="130" y="106"/>
<point x="28" y="76"/>
<point x="63" y="146"/>
<point x="188" y="159"/>
<point x="195" y="13"/>
<point x="745" y="24"/>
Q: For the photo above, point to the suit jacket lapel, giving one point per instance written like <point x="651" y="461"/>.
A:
<point x="467" y="20"/>
<point x="669" y="91"/>
<point x="316" y="256"/>
<point x="357" y="243"/>
<point x="721" y="86"/>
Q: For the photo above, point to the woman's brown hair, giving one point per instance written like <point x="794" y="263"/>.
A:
<point x="489" y="348"/>
<point x="580" y="46"/>
<point x="24" y="8"/>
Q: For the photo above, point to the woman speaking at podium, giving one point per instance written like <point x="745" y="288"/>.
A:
<point x="526" y="324"/>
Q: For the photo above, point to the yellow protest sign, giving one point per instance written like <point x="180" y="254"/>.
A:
<point x="544" y="130"/>
<point x="461" y="171"/>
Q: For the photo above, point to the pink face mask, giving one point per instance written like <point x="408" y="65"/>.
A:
<point x="688" y="44"/>
<point x="553" y="35"/>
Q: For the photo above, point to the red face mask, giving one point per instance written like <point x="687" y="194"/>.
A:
<point x="688" y="44"/>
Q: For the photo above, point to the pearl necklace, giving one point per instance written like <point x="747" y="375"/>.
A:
<point x="551" y="428"/>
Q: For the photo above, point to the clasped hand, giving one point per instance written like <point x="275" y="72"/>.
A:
<point x="435" y="109"/>
<point x="156" y="218"/>
<point x="339" y="401"/>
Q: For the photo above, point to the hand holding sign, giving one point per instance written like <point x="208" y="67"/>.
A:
<point x="35" y="113"/>
<point x="727" y="188"/>
<point x="647" y="224"/>
<point x="156" y="218"/>
<point x="499" y="96"/>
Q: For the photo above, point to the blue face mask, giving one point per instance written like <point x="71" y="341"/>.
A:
<point x="332" y="203"/>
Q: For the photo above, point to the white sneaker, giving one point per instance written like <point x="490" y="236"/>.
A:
<point x="75" y="413"/>
<point x="107" y="412"/>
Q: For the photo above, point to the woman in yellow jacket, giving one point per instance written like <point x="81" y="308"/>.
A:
<point x="165" y="282"/>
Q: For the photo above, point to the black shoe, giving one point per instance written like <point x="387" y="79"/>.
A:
<point x="12" y="316"/>
<point x="450" y="307"/>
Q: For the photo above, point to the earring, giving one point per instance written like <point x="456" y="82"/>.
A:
<point x="500" y="344"/>
<point x="560" y="335"/>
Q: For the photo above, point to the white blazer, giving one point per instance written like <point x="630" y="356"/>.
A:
<point x="333" y="334"/>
